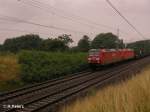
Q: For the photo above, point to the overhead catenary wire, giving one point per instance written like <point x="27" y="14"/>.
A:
<point x="15" y="19"/>
<point x="53" y="13"/>
<point x="124" y="18"/>
<point x="51" y="26"/>
<point x="71" y="17"/>
<point x="24" y="31"/>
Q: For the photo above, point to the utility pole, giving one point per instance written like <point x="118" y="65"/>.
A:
<point x="118" y="32"/>
<point x="117" y="43"/>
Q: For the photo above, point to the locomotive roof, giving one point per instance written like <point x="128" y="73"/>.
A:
<point x="110" y="50"/>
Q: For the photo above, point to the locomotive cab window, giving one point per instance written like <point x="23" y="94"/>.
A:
<point x="94" y="52"/>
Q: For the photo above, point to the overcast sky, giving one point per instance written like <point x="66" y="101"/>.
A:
<point x="75" y="17"/>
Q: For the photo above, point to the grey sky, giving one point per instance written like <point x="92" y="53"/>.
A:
<point x="97" y="11"/>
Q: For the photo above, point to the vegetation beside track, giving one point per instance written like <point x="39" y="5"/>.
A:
<point x="34" y="71"/>
<point x="130" y="96"/>
<point x="35" y="66"/>
<point x="9" y="72"/>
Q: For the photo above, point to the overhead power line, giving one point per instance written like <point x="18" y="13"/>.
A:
<point x="120" y="14"/>
<point x="76" y="17"/>
<point x="53" y="13"/>
<point x="14" y="19"/>
<point x="24" y="31"/>
<point x="62" y="14"/>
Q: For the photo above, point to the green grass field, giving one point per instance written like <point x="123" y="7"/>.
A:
<point x="130" y="96"/>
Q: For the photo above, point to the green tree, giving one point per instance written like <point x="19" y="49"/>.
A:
<point x="25" y="42"/>
<point x="66" y="39"/>
<point x="107" y="40"/>
<point x="53" y="45"/>
<point x="1" y="47"/>
<point x="34" y="42"/>
<point x="84" y="44"/>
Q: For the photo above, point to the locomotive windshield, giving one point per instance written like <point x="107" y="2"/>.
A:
<point x="94" y="52"/>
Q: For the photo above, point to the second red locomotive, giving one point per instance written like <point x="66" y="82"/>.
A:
<point x="109" y="56"/>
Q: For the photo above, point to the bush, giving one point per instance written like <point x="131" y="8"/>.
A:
<point x="39" y="66"/>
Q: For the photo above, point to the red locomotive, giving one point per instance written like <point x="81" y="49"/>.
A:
<point x="109" y="56"/>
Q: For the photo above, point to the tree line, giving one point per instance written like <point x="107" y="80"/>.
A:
<point x="61" y="43"/>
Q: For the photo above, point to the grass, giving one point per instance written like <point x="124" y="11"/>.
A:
<point x="9" y="68"/>
<point x="130" y="96"/>
<point x="9" y="72"/>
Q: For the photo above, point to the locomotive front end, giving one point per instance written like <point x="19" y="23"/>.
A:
<point x="94" y="56"/>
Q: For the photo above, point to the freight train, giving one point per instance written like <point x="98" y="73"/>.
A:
<point x="101" y="57"/>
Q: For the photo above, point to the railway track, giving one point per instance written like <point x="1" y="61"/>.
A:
<point x="44" y="96"/>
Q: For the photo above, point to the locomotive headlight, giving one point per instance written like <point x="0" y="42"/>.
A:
<point x="89" y="59"/>
<point x="97" y="59"/>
